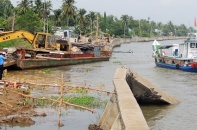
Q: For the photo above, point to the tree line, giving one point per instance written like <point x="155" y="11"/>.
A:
<point x="35" y="16"/>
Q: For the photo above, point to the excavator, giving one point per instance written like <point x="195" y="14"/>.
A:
<point x="41" y="42"/>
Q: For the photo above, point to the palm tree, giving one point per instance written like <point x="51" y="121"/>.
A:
<point x="124" y="21"/>
<point x="48" y="8"/>
<point x="24" y="6"/>
<point x="38" y="8"/>
<point x="69" y="10"/>
<point x="57" y="15"/>
<point x="81" y="19"/>
<point x="92" y="16"/>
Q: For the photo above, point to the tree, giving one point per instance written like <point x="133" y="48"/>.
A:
<point x="181" y="30"/>
<point x="69" y="10"/>
<point x="6" y="8"/>
<point x="6" y="11"/>
<point x="124" y="19"/>
<point x="24" y="6"/>
<point x="38" y="8"/>
<point x="29" y="21"/>
<point x="57" y="17"/>
<point x="168" y="28"/>
<point x="81" y="19"/>
<point x="92" y="16"/>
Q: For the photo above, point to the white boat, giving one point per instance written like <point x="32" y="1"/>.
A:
<point x="183" y="56"/>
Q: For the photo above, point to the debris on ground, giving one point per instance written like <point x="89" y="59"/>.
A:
<point x="94" y="127"/>
<point x="22" y="120"/>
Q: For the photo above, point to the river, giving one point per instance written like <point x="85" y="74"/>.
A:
<point x="177" y="83"/>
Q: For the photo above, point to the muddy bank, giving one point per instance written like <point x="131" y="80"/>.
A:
<point x="11" y="104"/>
<point x="15" y="110"/>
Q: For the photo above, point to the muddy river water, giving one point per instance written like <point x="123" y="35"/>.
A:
<point x="181" y="85"/>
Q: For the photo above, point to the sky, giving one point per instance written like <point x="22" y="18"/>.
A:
<point x="177" y="11"/>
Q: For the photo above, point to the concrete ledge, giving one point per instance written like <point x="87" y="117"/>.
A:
<point x="122" y="109"/>
<point x="146" y="92"/>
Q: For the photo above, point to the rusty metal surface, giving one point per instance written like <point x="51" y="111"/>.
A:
<point x="38" y="63"/>
<point x="9" y="63"/>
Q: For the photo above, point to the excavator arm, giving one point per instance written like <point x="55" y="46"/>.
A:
<point x="42" y="42"/>
<point x="7" y="36"/>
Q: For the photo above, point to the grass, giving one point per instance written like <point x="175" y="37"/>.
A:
<point x="85" y="100"/>
<point x="47" y="70"/>
<point x="79" y="90"/>
<point x="18" y="43"/>
<point x="82" y="100"/>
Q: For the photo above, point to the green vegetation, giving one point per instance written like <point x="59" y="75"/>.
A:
<point x="16" y="43"/>
<point x="86" y="101"/>
<point x="80" y="90"/>
<point x="32" y="16"/>
<point x="82" y="100"/>
<point x="47" y="71"/>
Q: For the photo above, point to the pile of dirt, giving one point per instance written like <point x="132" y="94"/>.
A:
<point x="21" y="120"/>
<point x="94" y="127"/>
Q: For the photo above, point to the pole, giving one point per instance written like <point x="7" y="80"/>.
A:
<point x="97" y="28"/>
<point x="13" y="22"/>
<point x="44" y="15"/>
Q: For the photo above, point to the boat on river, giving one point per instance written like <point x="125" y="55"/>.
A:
<point x="22" y="60"/>
<point x="182" y="56"/>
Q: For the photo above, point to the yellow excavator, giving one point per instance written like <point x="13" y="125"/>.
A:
<point x="41" y="42"/>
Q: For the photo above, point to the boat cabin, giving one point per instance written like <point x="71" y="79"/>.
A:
<point x="188" y="49"/>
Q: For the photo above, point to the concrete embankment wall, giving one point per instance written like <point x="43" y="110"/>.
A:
<point x="147" y="39"/>
<point x="118" y="41"/>
<point x="107" y="49"/>
<point x="122" y="111"/>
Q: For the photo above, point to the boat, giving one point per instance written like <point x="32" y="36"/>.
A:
<point x="182" y="56"/>
<point x="47" y="51"/>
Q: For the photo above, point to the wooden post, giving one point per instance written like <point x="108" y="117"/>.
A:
<point x="61" y="100"/>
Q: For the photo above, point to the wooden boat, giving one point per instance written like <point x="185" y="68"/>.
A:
<point x="183" y="56"/>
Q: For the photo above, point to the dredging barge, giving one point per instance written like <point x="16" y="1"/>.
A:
<point x="49" y="52"/>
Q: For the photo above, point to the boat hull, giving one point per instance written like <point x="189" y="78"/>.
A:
<point x="174" y="66"/>
<point x="40" y="63"/>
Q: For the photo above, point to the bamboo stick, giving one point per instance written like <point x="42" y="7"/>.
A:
<point x="52" y="100"/>
<point x="61" y="100"/>
<point x="69" y="85"/>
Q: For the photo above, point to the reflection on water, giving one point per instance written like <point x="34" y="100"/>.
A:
<point x="181" y="85"/>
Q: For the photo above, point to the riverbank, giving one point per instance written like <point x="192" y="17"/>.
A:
<point x="147" y="39"/>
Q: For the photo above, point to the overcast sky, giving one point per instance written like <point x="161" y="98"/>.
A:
<point x="177" y="11"/>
